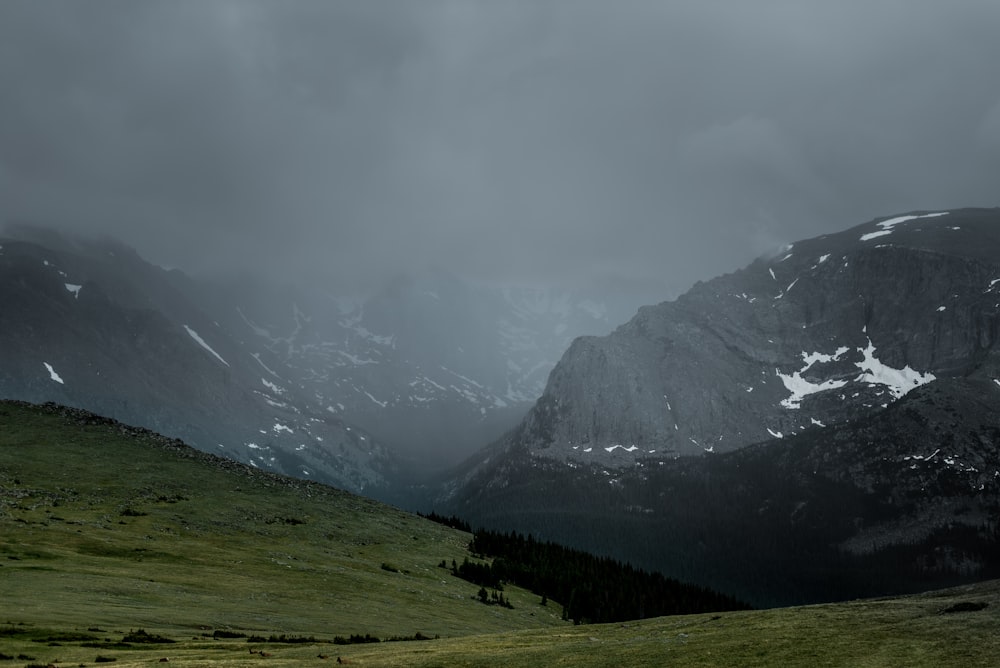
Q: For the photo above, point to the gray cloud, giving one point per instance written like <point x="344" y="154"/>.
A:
<point x="526" y="141"/>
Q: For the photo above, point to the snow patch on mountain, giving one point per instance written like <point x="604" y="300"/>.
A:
<point x="365" y="333"/>
<point x="194" y="335"/>
<point x="631" y="448"/>
<point x="887" y="225"/>
<point x="898" y="381"/>
<point x="464" y="378"/>
<point x="382" y="404"/>
<point x="257" y="329"/>
<point x="875" y="235"/>
<point x="271" y="371"/>
<point x="75" y="289"/>
<point x="431" y="382"/>
<point x="271" y="386"/>
<point x="52" y="374"/>
<point x="355" y="360"/>
<point x="874" y="372"/>
<point x="800" y="387"/>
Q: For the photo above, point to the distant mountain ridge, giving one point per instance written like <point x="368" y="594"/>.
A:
<point x="92" y="325"/>
<point x="821" y="418"/>
<point x="435" y="365"/>
<point x="359" y="394"/>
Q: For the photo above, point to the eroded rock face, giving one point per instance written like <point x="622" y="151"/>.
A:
<point x="828" y="330"/>
<point x="900" y="501"/>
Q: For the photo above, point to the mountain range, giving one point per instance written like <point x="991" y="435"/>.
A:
<point x="818" y="425"/>
<point x="360" y="393"/>
<point x="828" y="414"/>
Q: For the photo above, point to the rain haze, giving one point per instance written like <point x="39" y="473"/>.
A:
<point x="550" y="142"/>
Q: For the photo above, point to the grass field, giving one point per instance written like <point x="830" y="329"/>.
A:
<point x="105" y="532"/>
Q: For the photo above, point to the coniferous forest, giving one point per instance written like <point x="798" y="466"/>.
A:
<point x="590" y="589"/>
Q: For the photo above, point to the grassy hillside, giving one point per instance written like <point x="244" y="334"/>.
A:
<point x="106" y="530"/>
<point x="106" y="526"/>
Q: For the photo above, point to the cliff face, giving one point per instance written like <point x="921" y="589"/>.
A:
<point x="904" y="500"/>
<point x="828" y="330"/>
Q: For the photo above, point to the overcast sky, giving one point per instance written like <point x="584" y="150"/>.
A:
<point x="510" y="140"/>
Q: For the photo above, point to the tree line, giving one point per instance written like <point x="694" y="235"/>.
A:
<point x="591" y="589"/>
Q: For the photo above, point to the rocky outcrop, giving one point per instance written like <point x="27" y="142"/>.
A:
<point x="825" y="331"/>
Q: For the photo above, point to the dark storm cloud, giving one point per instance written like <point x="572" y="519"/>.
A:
<point x="524" y="141"/>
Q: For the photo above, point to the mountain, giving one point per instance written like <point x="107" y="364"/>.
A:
<point x="819" y="417"/>
<point x="90" y="324"/>
<point x="431" y="364"/>
<point x="362" y="393"/>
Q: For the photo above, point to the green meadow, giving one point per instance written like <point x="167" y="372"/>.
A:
<point x="121" y="547"/>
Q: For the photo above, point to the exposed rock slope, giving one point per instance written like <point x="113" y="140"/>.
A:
<point x="829" y="329"/>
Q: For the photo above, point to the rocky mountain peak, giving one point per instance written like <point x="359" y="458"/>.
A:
<point x="824" y="331"/>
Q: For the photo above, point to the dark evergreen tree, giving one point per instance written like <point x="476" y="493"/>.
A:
<point x="591" y="589"/>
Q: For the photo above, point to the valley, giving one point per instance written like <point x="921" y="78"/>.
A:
<point x="818" y="426"/>
<point x="369" y="394"/>
<point x="484" y="333"/>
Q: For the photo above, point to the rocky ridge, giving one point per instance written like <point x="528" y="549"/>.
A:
<point x="827" y="330"/>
